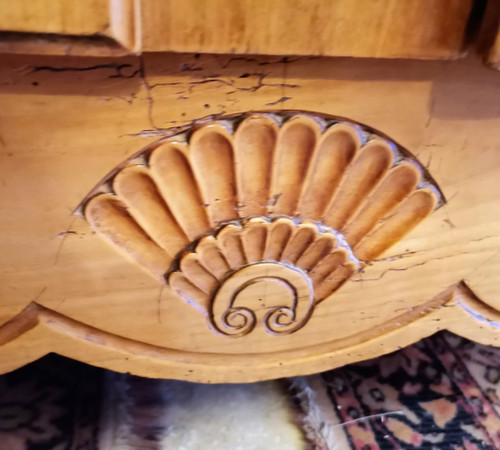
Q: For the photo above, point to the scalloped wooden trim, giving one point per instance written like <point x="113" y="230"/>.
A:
<point x="455" y="309"/>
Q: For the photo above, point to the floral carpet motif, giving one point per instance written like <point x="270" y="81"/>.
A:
<point x="442" y="393"/>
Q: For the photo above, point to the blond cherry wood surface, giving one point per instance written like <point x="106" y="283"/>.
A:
<point x="429" y="29"/>
<point x="387" y="28"/>
<point x="66" y="27"/>
<point x="65" y="288"/>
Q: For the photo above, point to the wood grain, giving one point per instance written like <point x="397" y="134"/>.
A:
<point x="387" y="28"/>
<point x="57" y="17"/>
<point x="66" y="122"/>
<point x="68" y="27"/>
<point x="429" y="29"/>
<point x="273" y="267"/>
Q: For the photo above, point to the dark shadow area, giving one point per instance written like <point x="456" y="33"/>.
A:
<point x="52" y="403"/>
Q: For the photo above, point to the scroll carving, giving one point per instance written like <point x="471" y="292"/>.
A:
<point x="264" y="259"/>
<point x="258" y="218"/>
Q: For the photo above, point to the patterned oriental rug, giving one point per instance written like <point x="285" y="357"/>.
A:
<point x="442" y="393"/>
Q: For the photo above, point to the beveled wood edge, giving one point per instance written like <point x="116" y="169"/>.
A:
<point x="120" y="38"/>
<point x="455" y="309"/>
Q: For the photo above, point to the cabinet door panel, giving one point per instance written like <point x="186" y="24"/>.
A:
<point x="384" y="28"/>
<point x="83" y="27"/>
<point x="84" y="17"/>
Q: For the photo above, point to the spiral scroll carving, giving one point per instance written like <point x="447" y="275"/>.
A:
<point x="240" y="316"/>
<point x="263" y="200"/>
<point x="237" y="321"/>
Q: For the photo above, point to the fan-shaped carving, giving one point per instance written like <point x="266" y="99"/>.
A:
<point x="302" y="263"/>
<point x="287" y="204"/>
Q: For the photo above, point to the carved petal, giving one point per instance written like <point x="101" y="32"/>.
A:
<point x="254" y="140"/>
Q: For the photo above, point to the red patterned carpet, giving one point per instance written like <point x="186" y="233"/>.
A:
<point x="442" y="393"/>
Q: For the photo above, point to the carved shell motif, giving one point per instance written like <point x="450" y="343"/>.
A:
<point x="258" y="218"/>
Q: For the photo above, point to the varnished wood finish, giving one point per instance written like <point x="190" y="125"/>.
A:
<point x="65" y="123"/>
<point x="66" y="27"/>
<point x="273" y="232"/>
<point x="387" y="28"/>
<point x="428" y="29"/>
<point x="85" y="17"/>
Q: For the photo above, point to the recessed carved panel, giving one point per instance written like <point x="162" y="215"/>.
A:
<point x="257" y="218"/>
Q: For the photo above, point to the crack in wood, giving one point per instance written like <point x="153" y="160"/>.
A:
<point x="280" y="100"/>
<point x="402" y="269"/>
<point x="231" y="83"/>
<point x="283" y="60"/>
<point x="118" y="68"/>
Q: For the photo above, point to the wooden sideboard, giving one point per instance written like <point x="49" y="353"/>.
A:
<point x="429" y="29"/>
<point x="239" y="217"/>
